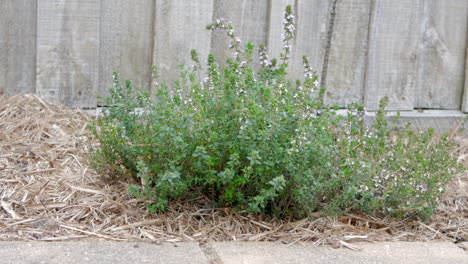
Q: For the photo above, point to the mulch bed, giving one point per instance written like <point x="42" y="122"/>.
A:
<point x="48" y="192"/>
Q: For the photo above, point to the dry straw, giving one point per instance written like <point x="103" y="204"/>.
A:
<point x="48" y="192"/>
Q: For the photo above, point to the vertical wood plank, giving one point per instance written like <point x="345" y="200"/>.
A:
<point x="347" y="61"/>
<point x="68" y="51"/>
<point x="249" y="19"/>
<point x="18" y="46"/>
<point x="312" y="24"/>
<point x="392" y="57"/>
<point x="179" y="27"/>
<point x="126" y="42"/>
<point x="442" y="59"/>
<point x="465" y="93"/>
<point x="275" y="26"/>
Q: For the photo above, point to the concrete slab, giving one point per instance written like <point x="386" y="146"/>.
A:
<point x="404" y="252"/>
<point x="101" y="252"/>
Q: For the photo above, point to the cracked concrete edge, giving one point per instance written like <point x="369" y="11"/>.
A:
<point x="102" y="252"/>
<point x="380" y="252"/>
<point x="211" y="254"/>
<point x="106" y="252"/>
<point x="387" y="252"/>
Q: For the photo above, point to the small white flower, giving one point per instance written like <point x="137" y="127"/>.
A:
<point x="283" y="36"/>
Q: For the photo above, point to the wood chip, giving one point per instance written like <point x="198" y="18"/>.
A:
<point x="9" y="209"/>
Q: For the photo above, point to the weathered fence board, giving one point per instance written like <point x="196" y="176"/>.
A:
<point x="311" y="40"/>
<point x="413" y="51"/>
<point x="312" y="22"/>
<point x="348" y="53"/>
<point x="249" y="19"/>
<point x="392" y="56"/>
<point x="179" y="27"/>
<point x="68" y="51"/>
<point x="275" y="26"/>
<point x="126" y="42"/>
<point x="442" y="57"/>
<point x="465" y="93"/>
<point x="18" y="46"/>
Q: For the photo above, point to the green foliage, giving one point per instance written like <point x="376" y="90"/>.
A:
<point x="257" y="141"/>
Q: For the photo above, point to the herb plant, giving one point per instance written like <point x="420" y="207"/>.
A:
<point x="257" y="141"/>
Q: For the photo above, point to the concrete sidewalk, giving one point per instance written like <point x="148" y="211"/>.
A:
<point x="104" y="252"/>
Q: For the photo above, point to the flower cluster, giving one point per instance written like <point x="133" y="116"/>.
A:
<point x="263" y="57"/>
<point x="234" y="40"/>
<point x="289" y="27"/>
<point x="311" y="77"/>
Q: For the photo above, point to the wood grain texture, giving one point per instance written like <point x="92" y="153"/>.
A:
<point x="465" y="93"/>
<point x="312" y="22"/>
<point x="414" y="51"/>
<point x="68" y="51"/>
<point x="18" y="46"/>
<point x="392" y="57"/>
<point x="347" y="61"/>
<point x="441" y="67"/>
<point x="126" y="42"/>
<point x="249" y="19"/>
<point x="275" y="26"/>
<point x="179" y="27"/>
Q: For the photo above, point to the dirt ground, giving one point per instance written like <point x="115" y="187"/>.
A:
<point x="49" y="193"/>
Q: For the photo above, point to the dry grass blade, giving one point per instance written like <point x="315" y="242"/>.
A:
<point x="142" y="223"/>
<point x="48" y="192"/>
<point x="92" y="233"/>
<point x="350" y="246"/>
<point x="61" y="238"/>
<point x="45" y="206"/>
<point x="354" y="237"/>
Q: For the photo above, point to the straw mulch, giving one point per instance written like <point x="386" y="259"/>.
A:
<point x="49" y="193"/>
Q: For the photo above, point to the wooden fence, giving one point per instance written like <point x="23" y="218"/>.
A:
<point x="413" y="51"/>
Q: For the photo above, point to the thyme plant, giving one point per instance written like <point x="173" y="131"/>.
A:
<point x="257" y="141"/>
